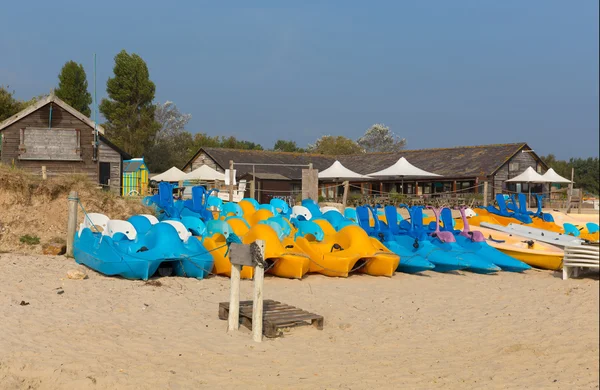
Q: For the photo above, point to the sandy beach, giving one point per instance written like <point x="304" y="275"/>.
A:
<point x="457" y="330"/>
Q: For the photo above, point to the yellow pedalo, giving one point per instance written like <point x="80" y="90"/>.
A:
<point x="340" y="253"/>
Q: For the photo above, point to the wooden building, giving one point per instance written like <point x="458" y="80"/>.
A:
<point x="463" y="170"/>
<point x="54" y="135"/>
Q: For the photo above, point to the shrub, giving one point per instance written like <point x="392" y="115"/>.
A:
<point x="29" y="240"/>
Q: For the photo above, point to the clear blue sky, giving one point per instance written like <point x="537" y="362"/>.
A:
<point x="439" y="73"/>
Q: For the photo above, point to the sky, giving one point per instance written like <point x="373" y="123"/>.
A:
<point x="438" y="73"/>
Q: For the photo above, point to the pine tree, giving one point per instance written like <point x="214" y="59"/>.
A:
<point x="129" y="110"/>
<point x="73" y="87"/>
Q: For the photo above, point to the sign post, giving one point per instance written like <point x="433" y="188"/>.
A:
<point x="252" y="256"/>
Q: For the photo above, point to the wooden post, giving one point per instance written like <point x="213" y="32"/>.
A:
<point x="570" y="190"/>
<point x="253" y="185"/>
<point x="231" y="180"/>
<point x="310" y="183"/>
<point x="234" y="298"/>
<point x="179" y="190"/>
<point x="257" y="306"/>
<point x="345" y="196"/>
<point x="485" y="194"/>
<point x="72" y="222"/>
<point x="44" y="175"/>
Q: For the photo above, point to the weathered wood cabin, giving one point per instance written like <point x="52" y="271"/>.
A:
<point x="54" y="135"/>
<point x="463" y="169"/>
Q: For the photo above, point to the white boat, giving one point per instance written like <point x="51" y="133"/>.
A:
<point x="537" y="234"/>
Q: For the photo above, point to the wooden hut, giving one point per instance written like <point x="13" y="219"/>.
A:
<point x="52" y="136"/>
<point x="135" y="177"/>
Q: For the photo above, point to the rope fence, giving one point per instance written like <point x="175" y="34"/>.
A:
<point x="366" y="194"/>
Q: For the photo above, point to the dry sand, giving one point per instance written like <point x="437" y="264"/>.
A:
<point x="433" y="331"/>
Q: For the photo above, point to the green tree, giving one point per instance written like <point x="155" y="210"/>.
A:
<point x="335" y="145"/>
<point x="287" y="146"/>
<point x="73" y="87"/>
<point x="174" y="151"/>
<point x="561" y="167"/>
<point x="379" y="138"/>
<point x="9" y="106"/>
<point x="203" y="140"/>
<point x="172" y="143"/>
<point x="232" y="142"/>
<point x="587" y="171"/>
<point x="129" y="110"/>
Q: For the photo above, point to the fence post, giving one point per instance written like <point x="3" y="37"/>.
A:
<point x="485" y="194"/>
<point x="570" y="191"/>
<point x="231" y="180"/>
<point x="257" y="306"/>
<point x="44" y="175"/>
<point x="345" y="197"/>
<point x="72" y="222"/>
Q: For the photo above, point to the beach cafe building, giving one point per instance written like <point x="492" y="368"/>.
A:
<point x="462" y="170"/>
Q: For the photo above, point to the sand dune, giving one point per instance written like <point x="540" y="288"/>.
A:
<point x="433" y="331"/>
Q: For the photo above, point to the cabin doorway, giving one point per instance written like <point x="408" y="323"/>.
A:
<point x="104" y="175"/>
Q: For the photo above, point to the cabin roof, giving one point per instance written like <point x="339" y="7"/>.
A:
<point x="41" y="103"/>
<point x="454" y="162"/>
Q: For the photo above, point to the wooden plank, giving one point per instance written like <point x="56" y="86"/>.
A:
<point x="292" y="317"/>
<point x="275" y="316"/>
<point x="272" y="314"/>
<point x="240" y="254"/>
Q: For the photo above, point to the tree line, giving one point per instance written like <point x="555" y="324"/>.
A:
<point x="157" y="131"/>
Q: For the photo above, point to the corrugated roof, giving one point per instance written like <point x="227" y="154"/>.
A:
<point x="455" y="162"/>
<point x="132" y="166"/>
<point x="462" y="161"/>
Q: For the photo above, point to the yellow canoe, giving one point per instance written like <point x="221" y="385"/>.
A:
<point x="485" y="216"/>
<point x="534" y="253"/>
